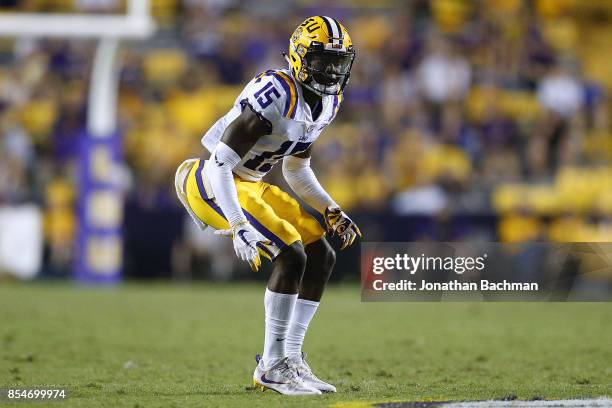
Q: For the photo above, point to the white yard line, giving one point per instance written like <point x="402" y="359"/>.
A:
<point x="573" y="403"/>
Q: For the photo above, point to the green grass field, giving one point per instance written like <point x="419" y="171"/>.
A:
<point x="193" y="346"/>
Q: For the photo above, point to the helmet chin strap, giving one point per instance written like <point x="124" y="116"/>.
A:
<point x="312" y="88"/>
<point x="287" y="59"/>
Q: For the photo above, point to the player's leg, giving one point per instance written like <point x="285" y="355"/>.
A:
<point x="320" y="255"/>
<point x="285" y="249"/>
<point x="281" y="292"/>
<point x="288" y="269"/>
<point x="289" y="263"/>
<point x="274" y="370"/>
<point x="279" y="301"/>
<point x="319" y="265"/>
<point x="320" y="260"/>
<point x="288" y="254"/>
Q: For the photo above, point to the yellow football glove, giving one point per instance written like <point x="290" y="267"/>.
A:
<point x="339" y="223"/>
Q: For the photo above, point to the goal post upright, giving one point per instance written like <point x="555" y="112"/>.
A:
<point x="98" y="246"/>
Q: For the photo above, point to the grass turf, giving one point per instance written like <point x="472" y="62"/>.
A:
<point x="193" y="346"/>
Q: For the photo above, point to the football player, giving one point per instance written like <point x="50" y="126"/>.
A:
<point x="278" y="116"/>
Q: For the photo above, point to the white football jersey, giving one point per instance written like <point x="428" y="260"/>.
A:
<point x="277" y="97"/>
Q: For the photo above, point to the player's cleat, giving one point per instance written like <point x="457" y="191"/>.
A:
<point x="282" y="378"/>
<point x="306" y="374"/>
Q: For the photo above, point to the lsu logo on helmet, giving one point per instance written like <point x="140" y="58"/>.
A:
<point x="321" y="55"/>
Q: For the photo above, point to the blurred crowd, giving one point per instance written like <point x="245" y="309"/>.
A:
<point x="454" y="107"/>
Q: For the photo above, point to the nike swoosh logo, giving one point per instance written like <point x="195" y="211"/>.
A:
<point x="277" y="339"/>
<point x="220" y="164"/>
<point x="264" y="379"/>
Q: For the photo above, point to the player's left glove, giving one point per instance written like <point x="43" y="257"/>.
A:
<point x="338" y="222"/>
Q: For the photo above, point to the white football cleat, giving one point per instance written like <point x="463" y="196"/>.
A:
<point x="306" y="374"/>
<point x="282" y="378"/>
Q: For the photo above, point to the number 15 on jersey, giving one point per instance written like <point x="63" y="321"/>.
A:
<point x="264" y="95"/>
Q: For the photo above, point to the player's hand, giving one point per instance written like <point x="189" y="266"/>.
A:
<point x="338" y="222"/>
<point x="245" y="238"/>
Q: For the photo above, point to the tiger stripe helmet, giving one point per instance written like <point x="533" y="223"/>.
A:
<point x="321" y="55"/>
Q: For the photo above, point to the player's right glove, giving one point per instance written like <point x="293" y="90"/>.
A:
<point x="338" y="222"/>
<point x="245" y="238"/>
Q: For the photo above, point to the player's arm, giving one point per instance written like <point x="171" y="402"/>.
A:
<point x="302" y="180"/>
<point x="237" y="139"/>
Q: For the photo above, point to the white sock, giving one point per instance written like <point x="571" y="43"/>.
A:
<point x="278" y="307"/>
<point x="302" y="315"/>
